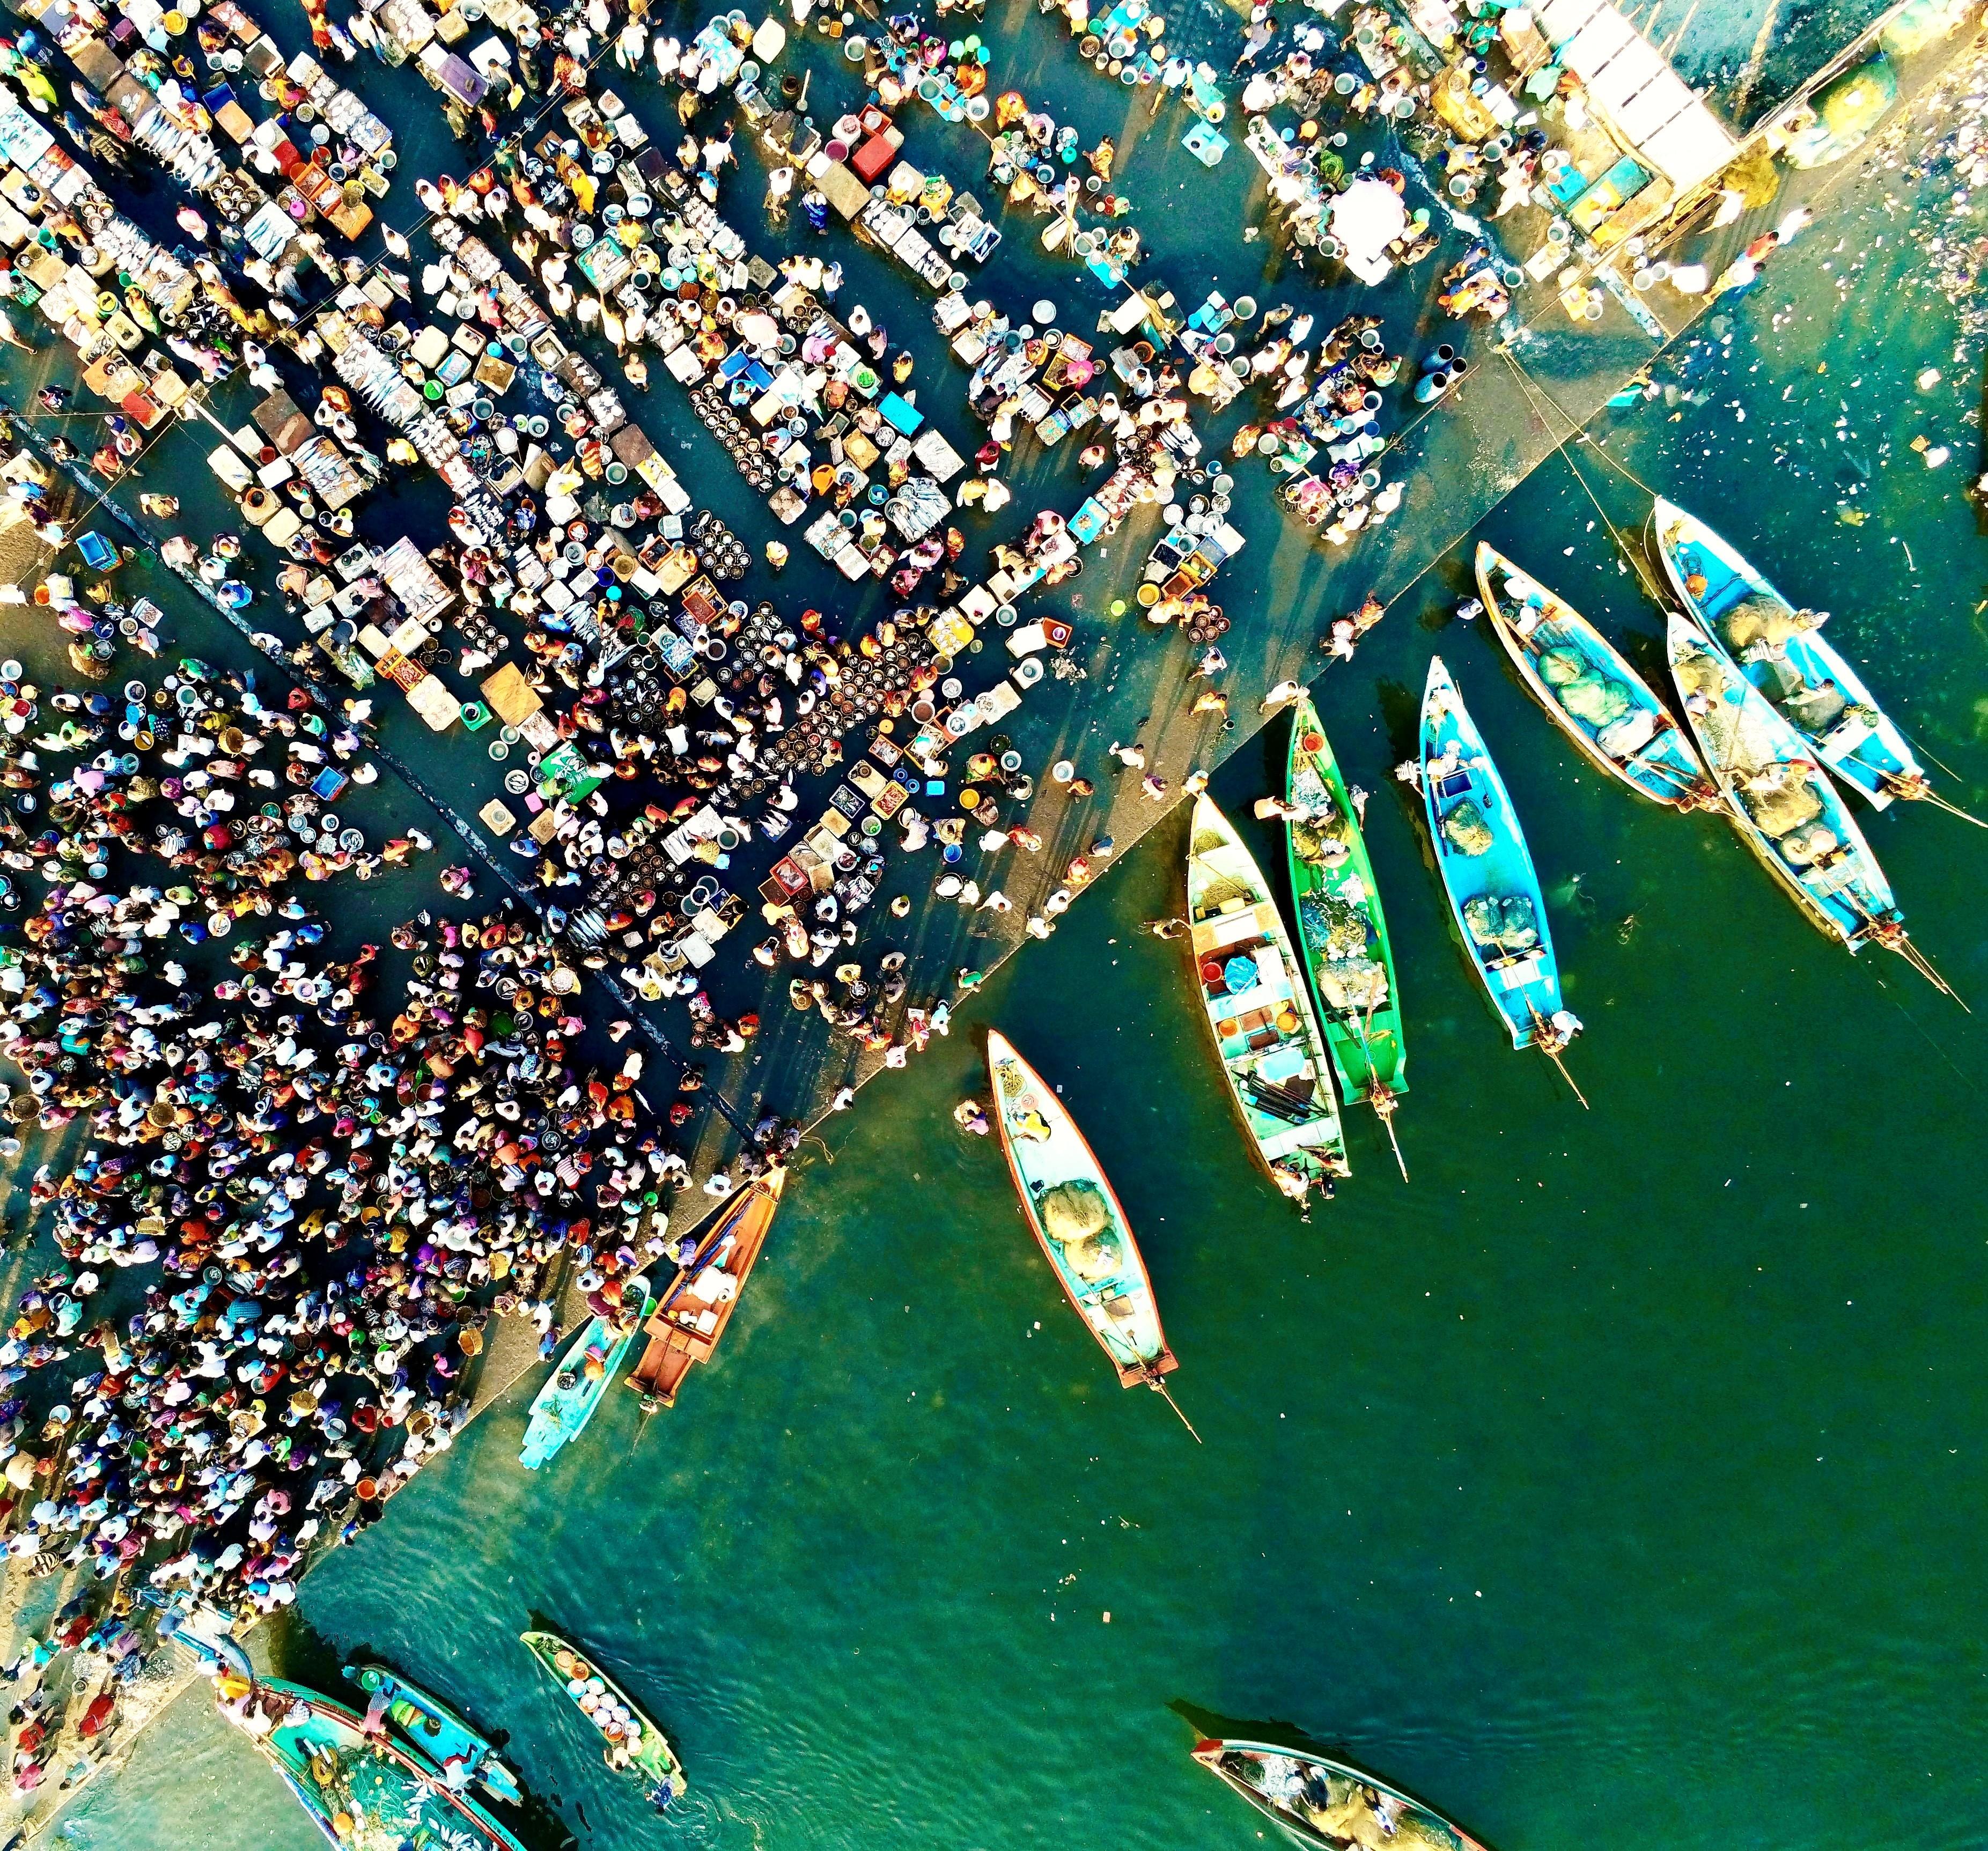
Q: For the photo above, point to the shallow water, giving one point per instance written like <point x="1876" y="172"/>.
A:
<point x="1619" y="1476"/>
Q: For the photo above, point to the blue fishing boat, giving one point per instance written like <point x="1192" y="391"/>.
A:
<point x="1487" y="871"/>
<point x="1590" y="691"/>
<point x="1782" y="652"/>
<point x="1786" y="810"/>
<point x="561" y="1409"/>
<point x="364" y="1792"/>
<point x="436" y="1734"/>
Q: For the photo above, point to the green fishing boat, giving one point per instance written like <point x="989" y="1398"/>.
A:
<point x="1348" y="963"/>
<point x="635" y="1746"/>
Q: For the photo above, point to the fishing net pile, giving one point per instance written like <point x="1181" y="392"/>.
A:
<point x="1345" y="1811"/>
<point x="1782" y="800"/>
<point x="1219" y="892"/>
<point x="1509" y="924"/>
<point x="1337" y="934"/>
<point x="1466" y="830"/>
<point x="1768" y="620"/>
<point x="373" y="1805"/>
<point x="1320" y="843"/>
<point x="1077" y="1218"/>
<point x="1590" y="696"/>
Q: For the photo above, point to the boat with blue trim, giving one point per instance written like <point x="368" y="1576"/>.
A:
<point x="1487" y="871"/>
<point x="561" y="1408"/>
<point x="435" y="1733"/>
<point x="1589" y="689"/>
<point x="1781" y="650"/>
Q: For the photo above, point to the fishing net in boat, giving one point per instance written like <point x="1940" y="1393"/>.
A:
<point x="1332" y="929"/>
<point x="1467" y="831"/>
<point x="1778" y="799"/>
<point x="1810" y="843"/>
<point x="1320" y="844"/>
<point x="1219" y="892"/>
<point x="1560" y="667"/>
<point x="1309" y="789"/>
<point x="1096" y="1258"/>
<point x="1208" y="841"/>
<point x="1624" y="738"/>
<point x="1596" y="698"/>
<point x="1073" y="1210"/>
<point x="1359" y="983"/>
<point x="1816" y="710"/>
<point x="1766" y="620"/>
<point x="1509" y="924"/>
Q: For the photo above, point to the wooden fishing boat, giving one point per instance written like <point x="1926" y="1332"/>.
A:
<point x="1076" y="1219"/>
<point x="1326" y="1803"/>
<point x="1590" y="691"/>
<point x="367" y="1793"/>
<point x="1786" y="810"/>
<point x="635" y="1746"/>
<point x="1348" y="961"/>
<point x="1784" y="654"/>
<point x="692" y="1311"/>
<point x="1259" y="1011"/>
<point x="435" y="1733"/>
<point x="1487" y="871"/>
<point x="561" y="1409"/>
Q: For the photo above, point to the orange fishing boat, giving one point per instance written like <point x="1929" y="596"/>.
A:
<point x="697" y="1304"/>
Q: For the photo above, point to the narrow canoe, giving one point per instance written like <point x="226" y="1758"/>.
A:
<point x="1622" y="728"/>
<point x="1326" y="1803"/>
<point x="694" y="1308"/>
<point x="367" y="1793"/>
<point x="635" y="1746"/>
<point x="435" y="1733"/>
<point x="1804" y="677"/>
<point x="1786" y="810"/>
<point x="1486" y="867"/>
<point x="1332" y="885"/>
<point x="561" y="1409"/>
<point x="1082" y="1230"/>
<point x="1267" y="1039"/>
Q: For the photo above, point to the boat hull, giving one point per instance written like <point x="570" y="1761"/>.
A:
<point x="435" y="1733"/>
<point x="561" y="1408"/>
<point x="1862" y="746"/>
<point x="1664" y="769"/>
<point x="1494" y="895"/>
<point x="692" y="1311"/>
<point x="1745" y="739"/>
<point x="1326" y="1804"/>
<point x="376" y="1780"/>
<point x="652" y="1761"/>
<point x="1272" y="1056"/>
<point x="1047" y="1155"/>
<point x="1364" y="1038"/>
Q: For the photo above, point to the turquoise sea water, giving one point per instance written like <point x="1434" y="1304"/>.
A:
<point x="1617" y="1480"/>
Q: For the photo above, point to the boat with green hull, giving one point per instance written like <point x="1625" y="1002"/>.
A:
<point x="1349" y="963"/>
<point x="364" y="1792"/>
<point x="1487" y="871"/>
<point x="1327" y="1804"/>
<point x="635" y="1747"/>
<point x="1247" y="975"/>
<point x="436" y="1734"/>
